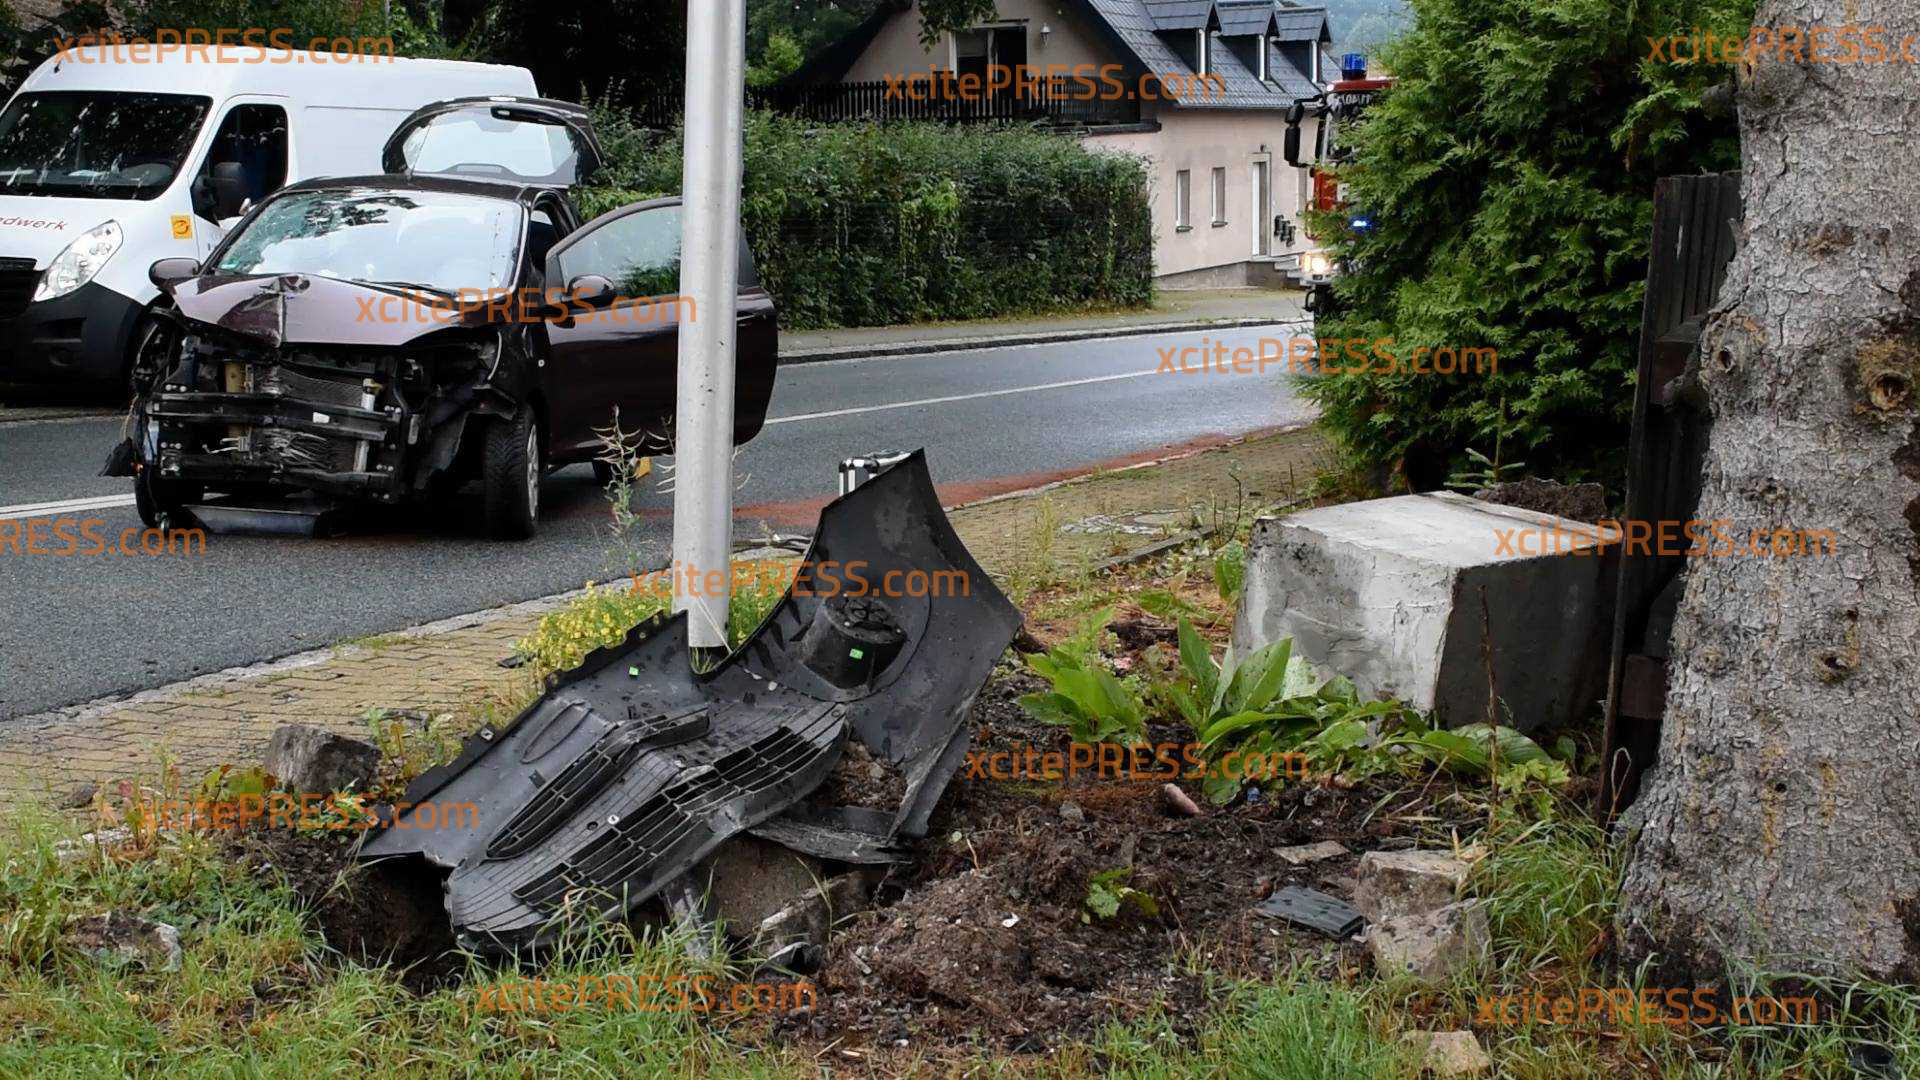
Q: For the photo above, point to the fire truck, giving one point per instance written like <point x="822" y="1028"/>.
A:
<point x="1338" y="108"/>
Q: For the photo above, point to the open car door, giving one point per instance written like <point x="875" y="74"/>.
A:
<point x="526" y="140"/>
<point x="625" y="351"/>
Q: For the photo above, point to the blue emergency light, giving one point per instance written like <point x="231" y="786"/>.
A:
<point x="1353" y="66"/>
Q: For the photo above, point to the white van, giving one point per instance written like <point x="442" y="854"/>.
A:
<point x="107" y="166"/>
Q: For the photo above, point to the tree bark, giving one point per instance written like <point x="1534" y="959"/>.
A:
<point x="1781" y="826"/>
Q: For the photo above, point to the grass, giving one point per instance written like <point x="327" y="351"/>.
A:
<point x="259" y="994"/>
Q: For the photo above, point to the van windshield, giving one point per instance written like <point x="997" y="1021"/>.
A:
<point x="96" y="144"/>
<point x="435" y="240"/>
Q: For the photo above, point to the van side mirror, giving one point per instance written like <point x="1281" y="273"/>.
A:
<point x="229" y="189"/>
<point x="167" y="273"/>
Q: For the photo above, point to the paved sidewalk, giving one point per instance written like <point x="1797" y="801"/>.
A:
<point x="453" y="666"/>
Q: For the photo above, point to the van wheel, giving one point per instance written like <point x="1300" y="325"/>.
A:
<point x="510" y="476"/>
<point x="162" y="504"/>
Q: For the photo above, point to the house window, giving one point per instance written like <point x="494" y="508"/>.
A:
<point x="1219" y="197"/>
<point x="979" y="50"/>
<point x="1183" y="200"/>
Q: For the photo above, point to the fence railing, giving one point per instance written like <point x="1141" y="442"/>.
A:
<point x="1063" y="103"/>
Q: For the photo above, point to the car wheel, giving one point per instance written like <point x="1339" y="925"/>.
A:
<point x="162" y="504"/>
<point x="511" y="469"/>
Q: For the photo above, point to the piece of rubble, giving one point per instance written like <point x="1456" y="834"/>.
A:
<point x="749" y="880"/>
<point x="1430" y="946"/>
<point x="1449" y="1053"/>
<point x="1178" y="801"/>
<point x="1071" y="812"/>
<point x="119" y="937"/>
<point x="1394" y="883"/>
<point x="1303" y="854"/>
<point x="79" y="797"/>
<point x="92" y="842"/>
<point x="312" y="761"/>
<point x="810" y="917"/>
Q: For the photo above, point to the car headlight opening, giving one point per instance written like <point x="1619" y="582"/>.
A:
<point x="81" y="261"/>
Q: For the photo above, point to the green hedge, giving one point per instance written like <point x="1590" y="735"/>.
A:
<point x="872" y="225"/>
<point x="1509" y="175"/>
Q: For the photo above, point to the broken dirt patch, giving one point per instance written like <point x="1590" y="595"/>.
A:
<point x="982" y="936"/>
<point x="366" y="913"/>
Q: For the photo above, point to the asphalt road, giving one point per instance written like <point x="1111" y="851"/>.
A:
<point x="77" y="628"/>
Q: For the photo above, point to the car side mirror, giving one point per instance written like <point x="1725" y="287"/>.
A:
<point x="229" y="190"/>
<point x="167" y="273"/>
<point x="590" y="289"/>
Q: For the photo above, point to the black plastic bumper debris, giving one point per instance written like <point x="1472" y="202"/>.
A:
<point x="632" y="768"/>
<point x="1330" y="915"/>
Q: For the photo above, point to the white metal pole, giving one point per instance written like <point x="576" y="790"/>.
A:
<point x="709" y="275"/>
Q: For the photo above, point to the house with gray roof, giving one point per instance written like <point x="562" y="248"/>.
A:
<point x="1199" y="88"/>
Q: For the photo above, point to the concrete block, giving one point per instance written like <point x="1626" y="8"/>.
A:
<point x="1400" y="594"/>
<point x="1394" y="883"/>
<point x="1431" y="947"/>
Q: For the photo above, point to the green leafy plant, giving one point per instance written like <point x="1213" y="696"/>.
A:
<point x="1409" y="743"/>
<point x="1230" y="570"/>
<point x="1108" y="892"/>
<point x="1087" y="699"/>
<point x="1490" y="474"/>
<point x="1266" y="704"/>
<point x="1166" y="604"/>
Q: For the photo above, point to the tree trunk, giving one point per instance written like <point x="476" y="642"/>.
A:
<point x="1781" y="826"/>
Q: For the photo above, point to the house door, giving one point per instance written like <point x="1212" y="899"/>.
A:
<point x="1262" y="207"/>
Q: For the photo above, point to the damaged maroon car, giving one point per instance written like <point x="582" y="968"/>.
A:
<point x="448" y="327"/>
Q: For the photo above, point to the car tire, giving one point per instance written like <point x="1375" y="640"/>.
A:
<point x="162" y="504"/>
<point x="511" y="469"/>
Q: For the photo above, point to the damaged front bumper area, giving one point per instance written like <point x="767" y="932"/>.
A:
<point x="353" y="421"/>
<point x="632" y="768"/>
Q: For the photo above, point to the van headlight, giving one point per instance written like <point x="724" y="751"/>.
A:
<point x="1316" y="264"/>
<point x="78" y="264"/>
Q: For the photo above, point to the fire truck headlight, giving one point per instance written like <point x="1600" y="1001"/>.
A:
<point x="1316" y="264"/>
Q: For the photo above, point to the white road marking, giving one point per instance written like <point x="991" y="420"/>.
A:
<point x="955" y="397"/>
<point x="65" y="507"/>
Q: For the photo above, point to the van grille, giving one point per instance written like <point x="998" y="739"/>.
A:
<point x="17" y="281"/>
